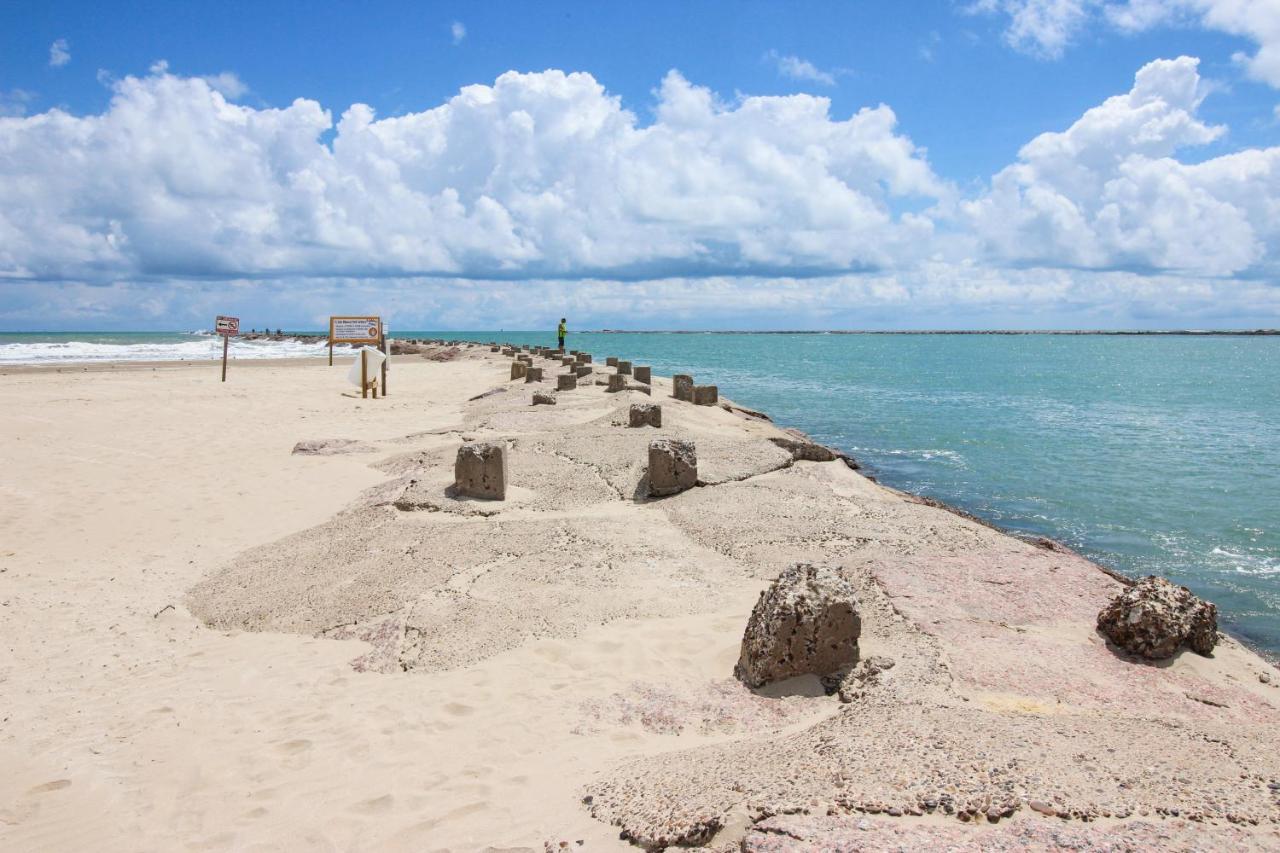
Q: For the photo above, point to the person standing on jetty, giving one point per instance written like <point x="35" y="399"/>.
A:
<point x="560" y="330"/>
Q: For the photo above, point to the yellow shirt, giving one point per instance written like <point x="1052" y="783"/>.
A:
<point x="561" y="330"/>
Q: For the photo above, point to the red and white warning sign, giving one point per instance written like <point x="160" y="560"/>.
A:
<point x="227" y="326"/>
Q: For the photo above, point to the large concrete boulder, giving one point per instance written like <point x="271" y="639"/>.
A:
<point x="706" y="395"/>
<point x="645" y="414"/>
<point x="582" y="370"/>
<point x="673" y="466"/>
<point x="517" y="369"/>
<point x="624" y="368"/>
<point x="682" y="387"/>
<point x="566" y="382"/>
<point x="544" y="398"/>
<point x="1154" y="618"/>
<point x="480" y="471"/>
<point x="617" y="382"/>
<point x="805" y="623"/>
<point x="533" y="374"/>
<point x="642" y="373"/>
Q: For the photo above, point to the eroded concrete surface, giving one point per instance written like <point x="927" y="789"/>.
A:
<point x="1006" y="721"/>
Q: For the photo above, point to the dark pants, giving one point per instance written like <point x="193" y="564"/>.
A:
<point x="562" y="342"/>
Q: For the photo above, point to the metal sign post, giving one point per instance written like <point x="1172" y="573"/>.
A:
<point x="226" y="326"/>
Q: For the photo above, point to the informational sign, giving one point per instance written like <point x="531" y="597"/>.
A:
<point x="227" y="327"/>
<point x="355" y="330"/>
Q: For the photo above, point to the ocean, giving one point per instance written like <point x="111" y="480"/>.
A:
<point x="1149" y="454"/>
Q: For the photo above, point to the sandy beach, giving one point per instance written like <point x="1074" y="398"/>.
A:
<point x="212" y="642"/>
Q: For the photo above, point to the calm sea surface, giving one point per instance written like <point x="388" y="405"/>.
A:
<point x="1152" y="455"/>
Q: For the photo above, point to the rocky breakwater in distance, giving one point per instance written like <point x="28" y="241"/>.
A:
<point x="974" y="703"/>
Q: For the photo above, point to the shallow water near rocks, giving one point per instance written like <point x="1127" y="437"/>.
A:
<point x="1149" y="454"/>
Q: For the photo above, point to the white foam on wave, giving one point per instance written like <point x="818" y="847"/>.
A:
<point x="201" y="349"/>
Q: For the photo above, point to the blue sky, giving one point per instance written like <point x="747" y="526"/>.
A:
<point x="990" y="163"/>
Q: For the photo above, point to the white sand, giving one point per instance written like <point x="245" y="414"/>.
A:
<point x="126" y="724"/>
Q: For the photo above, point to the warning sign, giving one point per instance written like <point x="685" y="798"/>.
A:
<point x="227" y="325"/>
<point x="355" y="330"/>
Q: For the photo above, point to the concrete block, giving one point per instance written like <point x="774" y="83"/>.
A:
<point x="565" y="362"/>
<point x="494" y="349"/>
<point x="481" y="471"/>
<point x="673" y="466"/>
<point x="682" y="387"/>
<point x="566" y="382"/>
<point x="533" y="374"/>
<point x="624" y="367"/>
<point x="641" y="373"/>
<point x="527" y="359"/>
<point x="645" y="414"/>
<point x="582" y="370"/>
<point x="706" y="395"/>
<point x="544" y="398"/>
<point x="611" y="361"/>
<point x="584" y="358"/>
<point x="616" y="382"/>
<point x="517" y="369"/>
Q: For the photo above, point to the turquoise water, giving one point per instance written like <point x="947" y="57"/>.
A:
<point x="1152" y="455"/>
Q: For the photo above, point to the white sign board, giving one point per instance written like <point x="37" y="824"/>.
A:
<point x="355" y="330"/>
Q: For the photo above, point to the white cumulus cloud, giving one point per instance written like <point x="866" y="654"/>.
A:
<point x="1108" y="193"/>
<point x="458" y="31"/>
<point x="537" y="174"/>
<point x="59" y="53"/>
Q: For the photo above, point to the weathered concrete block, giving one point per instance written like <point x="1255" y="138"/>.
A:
<point x="617" y="382"/>
<point x="565" y="362"/>
<point x="582" y="370"/>
<point x="682" y="387"/>
<point x="636" y="386"/>
<point x="584" y="358"/>
<point x="805" y="623"/>
<point x="624" y="367"/>
<point x="508" y="351"/>
<point x="566" y="382"/>
<point x="645" y="414"/>
<point x="494" y="349"/>
<point x="673" y="466"/>
<point x="611" y="361"/>
<point x="641" y="373"/>
<point x="533" y="374"/>
<point x="518" y="369"/>
<point x="544" y="398"/>
<point x="481" y="471"/>
<point x="527" y="359"/>
<point x="706" y="395"/>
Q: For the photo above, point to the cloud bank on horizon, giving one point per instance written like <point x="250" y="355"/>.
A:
<point x="760" y="210"/>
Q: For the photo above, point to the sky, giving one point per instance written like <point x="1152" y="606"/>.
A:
<point x="737" y="165"/>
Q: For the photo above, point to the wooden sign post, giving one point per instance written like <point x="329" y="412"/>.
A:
<point x="386" y="359"/>
<point x="227" y="327"/>
<point x="362" y="331"/>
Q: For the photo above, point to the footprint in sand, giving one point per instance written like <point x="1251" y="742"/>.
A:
<point x="457" y="709"/>
<point x="296" y="752"/>
<point x="55" y="785"/>
<point x="377" y="805"/>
